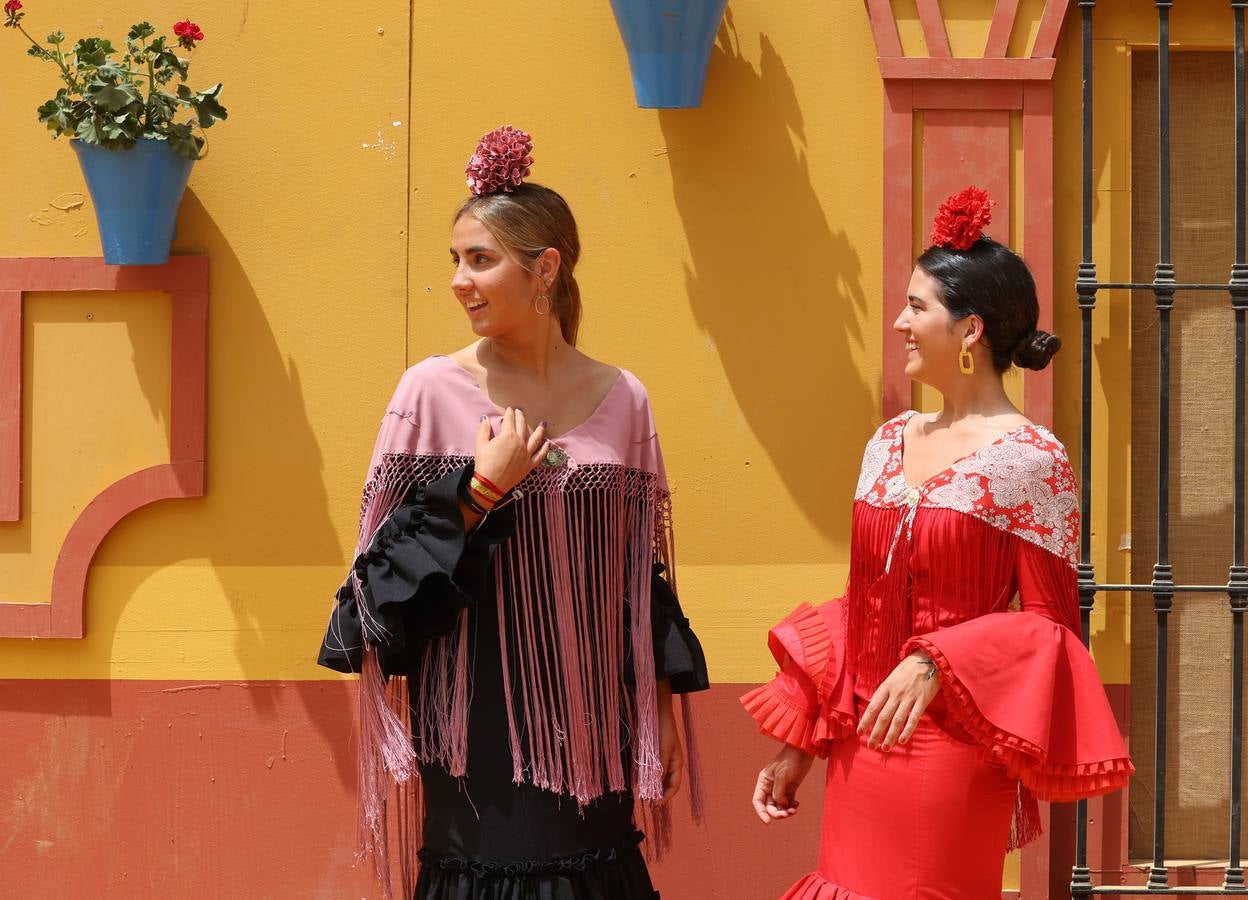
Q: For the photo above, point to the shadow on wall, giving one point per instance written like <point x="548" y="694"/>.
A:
<point x="776" y="288"/>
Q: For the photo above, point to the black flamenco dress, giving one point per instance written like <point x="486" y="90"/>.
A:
<point x="486" y="836"/>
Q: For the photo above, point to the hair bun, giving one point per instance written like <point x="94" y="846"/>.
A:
<point x="1036" y="351"/>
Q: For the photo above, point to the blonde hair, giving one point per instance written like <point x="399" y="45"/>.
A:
<point x="527" y="221"/>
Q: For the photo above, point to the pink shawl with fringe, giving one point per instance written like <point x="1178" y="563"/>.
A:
<point x="577" y="571"/>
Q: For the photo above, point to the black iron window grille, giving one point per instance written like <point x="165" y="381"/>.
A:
<point x="1162" y="587"/>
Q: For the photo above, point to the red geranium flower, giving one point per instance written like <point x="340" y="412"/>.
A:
<point x="188" y="33"/>
<point x="12" y="6"/>
<point x="961" y="219"/>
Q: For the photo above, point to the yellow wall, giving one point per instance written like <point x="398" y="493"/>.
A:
<point x="732" y="260"/>
<point x="301" y="205"/>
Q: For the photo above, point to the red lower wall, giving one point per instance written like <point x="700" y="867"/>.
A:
<point x="144" y="789"/>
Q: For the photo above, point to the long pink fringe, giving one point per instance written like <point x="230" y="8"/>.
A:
<point x="578" y="573"/>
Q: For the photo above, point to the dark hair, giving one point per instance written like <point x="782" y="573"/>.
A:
<point x="527" y="221"/>
<point x="991" y="281"/>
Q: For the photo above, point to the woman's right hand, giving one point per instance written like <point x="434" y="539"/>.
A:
<point x="775" y="793"/>
<point x="505" y="458"/>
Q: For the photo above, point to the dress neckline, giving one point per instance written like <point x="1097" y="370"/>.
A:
<point x="598" y="410"/>
<point x="900" y="449"/>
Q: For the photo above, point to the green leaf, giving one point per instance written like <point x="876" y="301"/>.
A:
<point x="38" y="52"/>
<point x="206" y="105"/>
<point x="141" y="31"/>
<point x="161" y="107"/>
<point x="168" y="62"/>
<point x="113" y="97"/>
<point x="111" y="72"/>
<point x="93" y="51"/>
<point x="58" y="114"/>
<point x="56" y="37"/>
<point x="106" y="132"/>
<point x="184" y="142"/>
<point x="88" y="133"/>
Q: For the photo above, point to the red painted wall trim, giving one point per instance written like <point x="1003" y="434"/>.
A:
<point x="934" y="34"/>
<point x="1038" y="231"/>
<point x="1003" y="17"/>
<point x="10" y="406"/>
<point x="964" y="67"/>
<point x="185" y="279"/>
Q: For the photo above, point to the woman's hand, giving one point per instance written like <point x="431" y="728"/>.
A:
<point x="898" y="704"/>
<point x="670" y="751"/>
<point x="775" y="792"/>
<point x="505" y="458"/>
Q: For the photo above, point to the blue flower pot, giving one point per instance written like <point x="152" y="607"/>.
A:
<point x="669" y="45"/>
<point x="136" y="194"/>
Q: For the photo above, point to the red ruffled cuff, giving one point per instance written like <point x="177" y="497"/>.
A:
<point x="1040" y="712"/>
<point x="811" y="702"/>
<point x="779" y="718"/>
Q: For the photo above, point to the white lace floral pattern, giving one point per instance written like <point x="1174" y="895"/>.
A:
<point x="1022" y="483"/>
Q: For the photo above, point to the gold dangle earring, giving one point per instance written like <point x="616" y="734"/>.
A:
<point x="542" y="302"/>
<point x="966" y="362"/>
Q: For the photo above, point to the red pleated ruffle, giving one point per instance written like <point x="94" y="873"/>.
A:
<point x="779" y="718"/>
<point x="811" y="701"/>
<point x="815" y="887"/>
<point x="1025" y="690"/>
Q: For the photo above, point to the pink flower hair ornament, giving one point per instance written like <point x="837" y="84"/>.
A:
<point x="961" y="219"/>
<point x="501" y="161"/>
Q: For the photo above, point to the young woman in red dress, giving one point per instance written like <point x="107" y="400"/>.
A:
<point x="948" y="688"/>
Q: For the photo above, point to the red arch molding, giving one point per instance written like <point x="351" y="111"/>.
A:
<point x="185" y="279"/>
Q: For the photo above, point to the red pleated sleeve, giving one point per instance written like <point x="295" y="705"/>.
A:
<point x="1023" y="687"/>
<point x="810" y="702"/>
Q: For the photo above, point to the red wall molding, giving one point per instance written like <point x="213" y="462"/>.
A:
<point x="966" y="105"/>
<point x="185" y="279"/>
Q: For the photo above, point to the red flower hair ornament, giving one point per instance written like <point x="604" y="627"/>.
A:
<point x="501" y="162"/>
<point x="961" y="219"/>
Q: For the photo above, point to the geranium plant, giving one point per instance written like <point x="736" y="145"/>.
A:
<point x="115" y="100"/>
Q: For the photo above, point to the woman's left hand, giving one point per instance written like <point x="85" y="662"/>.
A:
<point x="670" y="751"/>
<point x="898" y="704"/>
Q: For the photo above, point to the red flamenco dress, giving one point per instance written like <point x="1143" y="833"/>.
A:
<point x="974" y="567"/>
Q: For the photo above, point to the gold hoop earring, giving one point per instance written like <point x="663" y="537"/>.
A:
<point x="966" y="362"/>
<point x="542" y="304"/>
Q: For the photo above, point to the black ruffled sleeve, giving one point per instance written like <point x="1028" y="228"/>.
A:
<point x="678" y="654"/>
<point x="419" y="573"/>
